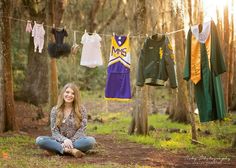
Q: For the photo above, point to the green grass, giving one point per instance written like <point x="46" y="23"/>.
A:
<point x="114" y="123"/>
<point x="219" y="139"/>
<point x="92" y="95"/>
<point x="22" y="152"/>
<point x="18" y="151"/>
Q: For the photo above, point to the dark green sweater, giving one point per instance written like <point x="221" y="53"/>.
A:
<point x="156" y="63"/>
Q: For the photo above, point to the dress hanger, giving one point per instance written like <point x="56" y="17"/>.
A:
<point x="157" y="36"/>
<point x="58" y="28"/>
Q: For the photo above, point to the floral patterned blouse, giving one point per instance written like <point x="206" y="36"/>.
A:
<point x="68" y="129"/>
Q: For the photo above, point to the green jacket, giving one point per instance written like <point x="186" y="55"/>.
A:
<point x="156" y="63"/>
<point x="208" y="91"/>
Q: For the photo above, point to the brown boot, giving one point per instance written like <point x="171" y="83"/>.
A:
<point x="74" y="152"/>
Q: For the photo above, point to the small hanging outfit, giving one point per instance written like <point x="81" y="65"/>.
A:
<point x="28" y="27"/>
<point x="203" y="65"/>
<point x="156" y="63"/>
<point x="38" y="33"/>
<point x="91" y="53"/>
<point x="58" y="49"/>
<point x="118" y="71"/>
<point x="75" y="46"/>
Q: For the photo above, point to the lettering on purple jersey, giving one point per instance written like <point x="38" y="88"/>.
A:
<point x="118" y="52"/>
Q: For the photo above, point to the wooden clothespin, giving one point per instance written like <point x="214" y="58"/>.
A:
<point x="85" y="31"/>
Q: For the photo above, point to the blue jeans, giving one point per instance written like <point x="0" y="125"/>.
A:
<point x="48" y="143"/>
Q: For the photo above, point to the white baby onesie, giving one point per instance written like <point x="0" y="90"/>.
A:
<point x="38" y="33"/>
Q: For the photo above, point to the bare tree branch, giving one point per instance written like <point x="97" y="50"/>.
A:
<point x="112" y="17"/>
<point x="92" y="15"/>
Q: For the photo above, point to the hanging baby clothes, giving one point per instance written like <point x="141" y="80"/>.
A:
<point x="75" y="46"/>
<point x="58" y="49"/>
<point x="203" y="65"/>
<point x="118" y="71"/>
<point x="91" y="53"/>
<point x="38" y="33"/>
<point x="28" y="27"/>
<point x="156" y="62"/>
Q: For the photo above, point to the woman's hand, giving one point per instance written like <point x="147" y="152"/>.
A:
<point x="67" y="144"/>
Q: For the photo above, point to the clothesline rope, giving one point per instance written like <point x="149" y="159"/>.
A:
<point x="131" y="36"/>
<point x="102" y="34"/>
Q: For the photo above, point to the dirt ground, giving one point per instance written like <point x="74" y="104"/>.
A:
<point x="110" y="149"/>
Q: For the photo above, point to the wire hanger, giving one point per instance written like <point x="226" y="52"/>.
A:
<point x="35" y="22"/>
<point x="128" y="33"/>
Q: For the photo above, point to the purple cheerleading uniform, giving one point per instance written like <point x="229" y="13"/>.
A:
<point x="118" y="71"/>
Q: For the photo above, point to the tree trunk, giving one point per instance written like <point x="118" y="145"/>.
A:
<point x="2" y="98"/>
<point x="191" y="86"/>
<point x="56" y="10"/>
<point x="232" y="74"/>
<point x="234" y="141"/>
<point x="53" y="64"/>
<point x="219" y="24"/>
<point x="233" y="102"/>
<point x="140" y="114"/>
<point x="232" y="60"/>
<point x="181" y="107"/>
<point x="36" y="85"/>
<point x="92" y="15"/>
<point x="111" y="19"/>
<point x="225" y="77"/>
<point x="53" y="82"/>
<point x="10" y="116"/>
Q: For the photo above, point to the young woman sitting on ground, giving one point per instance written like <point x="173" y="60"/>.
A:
<point x="68" y="120"/>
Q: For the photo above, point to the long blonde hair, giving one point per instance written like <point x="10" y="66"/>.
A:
<point x="76" y="105"/>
